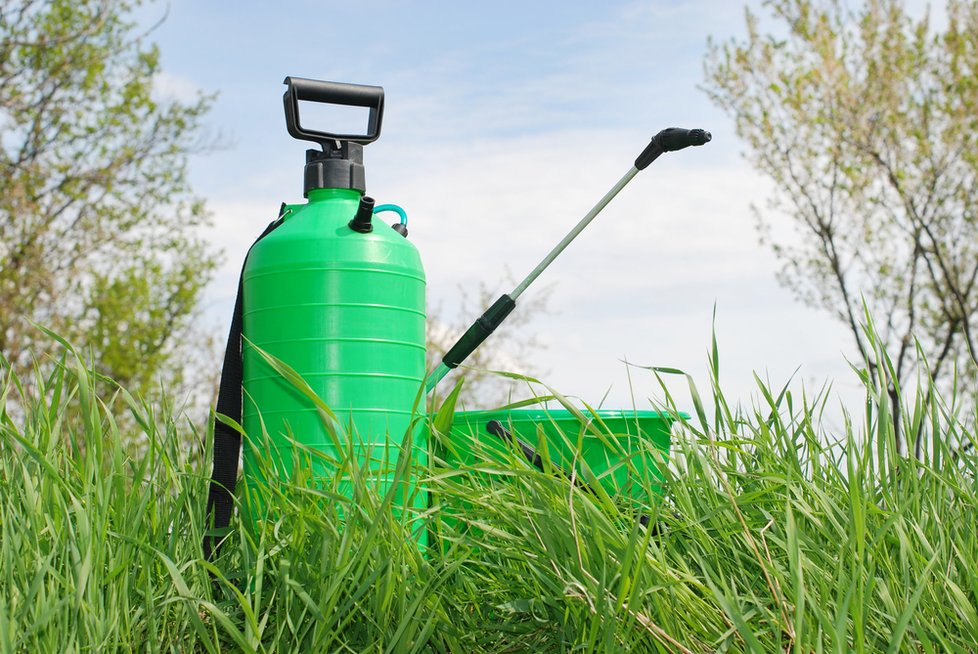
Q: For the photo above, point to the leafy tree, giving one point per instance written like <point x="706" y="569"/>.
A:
<point x="98" y="226"/>
<point x="866" y="120"/>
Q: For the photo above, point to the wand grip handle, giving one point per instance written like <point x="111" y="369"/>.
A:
<point x="479" y="331"/>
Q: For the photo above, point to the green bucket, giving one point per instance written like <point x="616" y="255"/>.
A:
<point x="620" y="450"/>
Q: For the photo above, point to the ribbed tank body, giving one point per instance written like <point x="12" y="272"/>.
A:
<point x="346" y="311"/>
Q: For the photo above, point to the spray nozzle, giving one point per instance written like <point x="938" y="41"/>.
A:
<point x="670" y="140"/>
<point x="677" y="138"/>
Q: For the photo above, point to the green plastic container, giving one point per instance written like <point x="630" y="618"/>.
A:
<point x="619" y="449"/>
<point x="346" y="310"/>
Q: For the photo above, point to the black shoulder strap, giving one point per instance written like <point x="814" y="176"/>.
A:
<point x="227" y="441"/>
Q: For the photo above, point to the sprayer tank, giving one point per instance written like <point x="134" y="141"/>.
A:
<point x="346" y="311"/>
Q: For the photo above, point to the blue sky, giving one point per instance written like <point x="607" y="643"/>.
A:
<point x="504" y="123"/>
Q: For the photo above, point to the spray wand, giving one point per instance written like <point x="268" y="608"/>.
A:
<point x="668" y="140"/>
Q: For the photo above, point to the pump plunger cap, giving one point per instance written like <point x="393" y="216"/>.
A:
<point x="335" y="168"/>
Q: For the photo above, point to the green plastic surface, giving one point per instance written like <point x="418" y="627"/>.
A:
<point x="346" y="311"/>
<point x="619" y="449"/>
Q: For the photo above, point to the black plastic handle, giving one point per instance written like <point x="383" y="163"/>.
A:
<point x="352" y="95"/>
<point x="496" y="428"/>
<point x="479" y="331"/>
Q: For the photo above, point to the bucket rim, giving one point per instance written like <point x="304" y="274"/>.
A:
<point x="565" y="414"/>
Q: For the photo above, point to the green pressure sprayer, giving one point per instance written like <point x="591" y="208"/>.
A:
<point x="340" y="298"/>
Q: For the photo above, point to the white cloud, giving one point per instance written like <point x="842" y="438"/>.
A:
<point x="174" y="87"/>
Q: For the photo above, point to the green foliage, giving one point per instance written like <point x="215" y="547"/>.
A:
<point x="98" y="227"/>
<point x="774" y="536"/>
<point x="866" y="120"/>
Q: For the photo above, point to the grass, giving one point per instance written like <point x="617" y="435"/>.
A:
<point x="774" y="536"/>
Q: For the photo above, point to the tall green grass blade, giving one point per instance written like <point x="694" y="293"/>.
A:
<point x="775" y="533"/>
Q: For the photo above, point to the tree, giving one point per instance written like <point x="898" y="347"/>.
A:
<point x="867" y="123"/>
<point x="98" y="227"/>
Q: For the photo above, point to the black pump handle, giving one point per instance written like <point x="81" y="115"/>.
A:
<point x="352" y="95"/>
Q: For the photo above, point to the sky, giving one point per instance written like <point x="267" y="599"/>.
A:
<point x="504" y="123"/>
